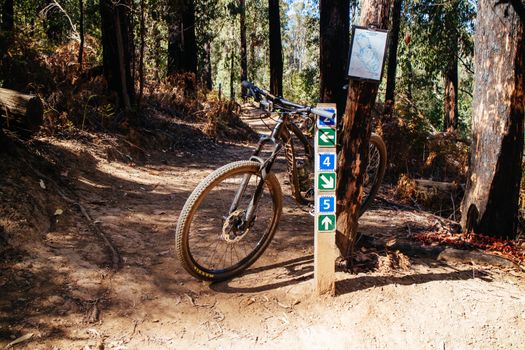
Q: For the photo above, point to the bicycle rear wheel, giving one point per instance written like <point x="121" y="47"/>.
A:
<point x="213" y="240"/>
<point x="375" y="171"/>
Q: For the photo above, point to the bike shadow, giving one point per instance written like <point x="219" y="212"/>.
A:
<point x="280" y="275"/>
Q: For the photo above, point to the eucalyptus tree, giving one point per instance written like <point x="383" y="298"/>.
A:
<point x="490" y="205"/>
<point x="117" y="53"/>
<point x="182" y="45"/>
<point x="355" y="136"/>
<point x="276" y="49"/>
<point x="334" y="46"/>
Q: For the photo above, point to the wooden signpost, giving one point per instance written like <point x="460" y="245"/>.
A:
<point x="325" y="250"/>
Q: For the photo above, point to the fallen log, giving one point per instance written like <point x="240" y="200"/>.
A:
<point x="425" y="185"/>
<point x="20" y="110"/>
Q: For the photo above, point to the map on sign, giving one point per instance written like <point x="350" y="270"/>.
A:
<point x="367" y="53"/>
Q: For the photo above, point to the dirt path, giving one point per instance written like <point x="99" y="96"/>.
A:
<point x="68" y="298"/>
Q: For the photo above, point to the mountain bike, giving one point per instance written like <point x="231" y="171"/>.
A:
<point x="230" y="218"/>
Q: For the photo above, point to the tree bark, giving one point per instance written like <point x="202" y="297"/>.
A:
<point x="116" y="51"/>
<point x="451" y="115"/>
<point x="81" y="34"/>
<point x="208" y="79"/>
<point x="141" y="51"/>
<point x="276" y="50"/>
<point x="451" y="120"/>
<point x="491" y="197"/>
<point x="8" y="16"/>
<point x="355" y="137"/>
<point x="244" y="54"/>
<point x="334" y="46"/>
<point x="182" y="44"/>
<point x="21" y="109"/>
<point x="232" y="77"/>
<point x="392" y="57"/>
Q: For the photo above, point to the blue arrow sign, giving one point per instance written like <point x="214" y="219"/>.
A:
<point x="326" y="204"/>
<point x="327" y="161"/>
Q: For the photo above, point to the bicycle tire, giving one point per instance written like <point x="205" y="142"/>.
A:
<point x="184" y="226"/>
<point x="375" y="142"/>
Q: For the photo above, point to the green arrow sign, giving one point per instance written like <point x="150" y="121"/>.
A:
<point x="326" y="223"/>
<point x="326" y="137"/>
<point x="326" y="181"/>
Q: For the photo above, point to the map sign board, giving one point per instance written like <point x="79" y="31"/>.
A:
<point x="367" y="53"/>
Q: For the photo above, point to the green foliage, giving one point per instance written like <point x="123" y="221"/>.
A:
<point x="434" y="27"/>
<point x="438" y="32"/>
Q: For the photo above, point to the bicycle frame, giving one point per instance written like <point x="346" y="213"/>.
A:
<point x="280" y="136"/>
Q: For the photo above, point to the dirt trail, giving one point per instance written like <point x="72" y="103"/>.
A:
<point x="68" y="298"/>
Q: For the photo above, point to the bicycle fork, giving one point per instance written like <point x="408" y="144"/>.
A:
<point x="264" y="170"/>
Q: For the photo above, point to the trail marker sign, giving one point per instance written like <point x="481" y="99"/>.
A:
<point x="326" y="204"/>
<point x="326" y="181"/>
<point x="325" y="201"/>
<point x="327" y="161"/>
<point x="326" y="223"/>
<point x="326" y="137"/>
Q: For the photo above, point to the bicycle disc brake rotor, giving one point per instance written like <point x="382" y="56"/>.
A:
<point x="234" y="227"/>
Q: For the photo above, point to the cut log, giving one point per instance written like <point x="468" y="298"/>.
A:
<point x="17" y="109"/>
<point x="440" y="186"/>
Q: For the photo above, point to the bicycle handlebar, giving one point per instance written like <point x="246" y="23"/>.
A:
<point x="263" y="97"/>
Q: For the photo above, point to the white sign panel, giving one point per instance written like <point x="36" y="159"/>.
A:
<point x="367" y="53"/>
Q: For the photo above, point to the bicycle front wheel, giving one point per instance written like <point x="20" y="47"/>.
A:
<point x="214" y="238"/>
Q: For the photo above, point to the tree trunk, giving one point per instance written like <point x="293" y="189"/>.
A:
<point x="450" y="123"/>
<point x="355" y="136"/>
<point x="81" y="34"/>
<point x="276" y="50"/>
<point x="392" y="57"/>
<point x="451" y="22"/>
<point x="142" y="48"/>
<point x="116" y="51"/>
<point x="208" y="79"/>
<point x="334" y="46"/>
<point x="490" y="204"/>
<point x="182" y="44"/>
<point x="232" y="77"/>
<point x="20" y="109"/>
<point x="244" y="55"/>
<point x="8" y="16"/>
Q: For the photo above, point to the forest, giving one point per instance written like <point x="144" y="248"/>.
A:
<point x="126" y="125"/>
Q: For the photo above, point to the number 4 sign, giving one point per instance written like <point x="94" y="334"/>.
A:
<point x="327" y="161"/>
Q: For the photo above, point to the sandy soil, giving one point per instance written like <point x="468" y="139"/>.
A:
<point x="61" y="287"/>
